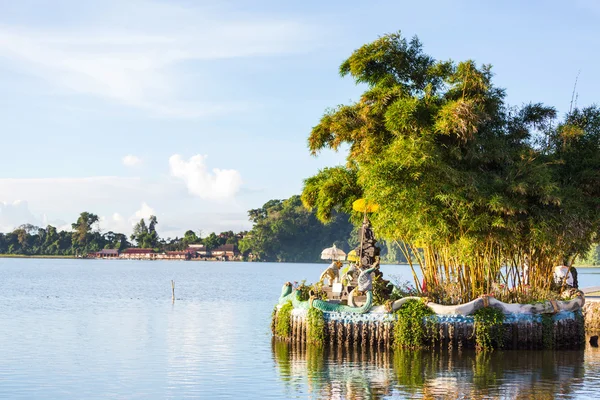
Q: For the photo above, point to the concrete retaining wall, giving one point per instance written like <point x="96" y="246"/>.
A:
<point x="565" y="330"/>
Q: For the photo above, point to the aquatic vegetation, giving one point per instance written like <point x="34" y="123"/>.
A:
<point x="547" y="331"/>
<point x="283" y="324"/>
<point x="489" y="328"/>
<point x="273" y="320"/>
<point x="316" y="326"/>
<point x="410" y="330"/>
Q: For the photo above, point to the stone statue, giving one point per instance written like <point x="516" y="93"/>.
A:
<point x="367" y="250"/>
<point x="365" y="280"/>
<point x="350" y="274"/>
<point x="331" y="273"/>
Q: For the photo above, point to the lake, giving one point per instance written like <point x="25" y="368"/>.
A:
<point x="97" y="329"/>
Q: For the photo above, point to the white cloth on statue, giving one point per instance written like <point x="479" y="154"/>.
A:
<point x="560" y="272"/>
<point x="525" y="273"/>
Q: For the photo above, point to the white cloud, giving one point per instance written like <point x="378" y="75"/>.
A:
<point x="117" y="223"/>
<point x="136" y="62"/>
<point x="120" y="203"/>
<point x="145" y="212"/>
<point x="215" y="185"/>
<point x="13" y="214"/>
<point x="131" y="161"/>
<point x="114" y="223"/>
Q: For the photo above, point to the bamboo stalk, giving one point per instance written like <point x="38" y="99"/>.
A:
<point x="408" y="258"/>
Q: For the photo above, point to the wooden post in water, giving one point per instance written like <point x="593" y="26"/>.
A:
<point x="173" y="291"/>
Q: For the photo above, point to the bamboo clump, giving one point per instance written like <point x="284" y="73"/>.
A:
<point x="464" y="273"/>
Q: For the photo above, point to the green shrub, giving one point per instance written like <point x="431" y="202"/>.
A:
<point x="489" y="328"/>
<point x="410" y="328"/>
<point x="381" y="292"/>
<point x="316" y="326"/>
<point x="548" y="331"/>
<point x="283" y="325"/>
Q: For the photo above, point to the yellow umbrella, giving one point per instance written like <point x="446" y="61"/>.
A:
<point x="365" y="206"/>
<point x="352" y="256"/>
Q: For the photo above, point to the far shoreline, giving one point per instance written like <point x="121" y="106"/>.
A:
<point x="52" y="256"/>
<point x="36" y="256"/>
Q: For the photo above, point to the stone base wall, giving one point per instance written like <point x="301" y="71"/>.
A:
<point x="564" y="330"/>
<point x="591" y="313"/>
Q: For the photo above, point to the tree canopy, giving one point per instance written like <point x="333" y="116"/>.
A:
<point x="470" y="181"/>
<point x="285" y="231"/>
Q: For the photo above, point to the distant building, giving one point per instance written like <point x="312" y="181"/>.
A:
<point x="198" y="250"/>
<point x="226" y="252"/>
<point x="137" y="253"/>
<point x="178" y="255"/>
<point x="106" y="253"/>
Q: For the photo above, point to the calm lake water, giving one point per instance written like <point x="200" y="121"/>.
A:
<point x="91" y="329"/>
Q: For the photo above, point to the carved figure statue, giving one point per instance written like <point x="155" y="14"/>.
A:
<point x="350" y="274"/>
<point x="367" y="249"/>
<point x="331" y="273"/>
<point x="365" y="280"/>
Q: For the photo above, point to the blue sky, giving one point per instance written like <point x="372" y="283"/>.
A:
<point x="199" y="111"/>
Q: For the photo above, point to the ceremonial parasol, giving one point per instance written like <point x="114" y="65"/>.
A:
<point x="333" y="253"/>
<point x="365" y="206"/>
<point x="352" y="256"/>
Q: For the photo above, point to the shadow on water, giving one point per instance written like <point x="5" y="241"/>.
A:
<point x="342" y="373"/>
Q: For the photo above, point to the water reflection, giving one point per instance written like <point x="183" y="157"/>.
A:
<point x="342" y="373"/>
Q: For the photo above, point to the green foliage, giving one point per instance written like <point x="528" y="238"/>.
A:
<point x="592" y="257"/>
<point x="402" y="288"/>
<point x="274" y="320"/>
<point x="473" y="182"/>
<point x="146" y="235"/>
<point x="307" y="290"/>
<point x="526" y="294"/>
<point x="211" y="241"/>
<point x="28" y="240"/>
<point x="83" y="227"/>
<point x="329" y="189"/>
<point x="316" y="326"/>
<point x="283" y="231"/>
<point x="381" y="292"/>
<point x="190" y="237"/>
<point x="286" y="231"/>
<point x="489" y="328"/>
<point x="283" y="324"/>
<point x="410" y="330"/>
<point x="548" y="331"/>
<point x="304" y="290"/>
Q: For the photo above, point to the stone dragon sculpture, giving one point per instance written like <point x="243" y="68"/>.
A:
<point x="548" y="307"/>
<point x="365" y="284"/>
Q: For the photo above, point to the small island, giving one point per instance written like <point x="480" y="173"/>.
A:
<point x="489" y="202"/>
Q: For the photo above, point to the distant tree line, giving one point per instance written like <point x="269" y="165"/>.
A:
<point x="85" y="237"/>
<point x="283" y="230"/>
